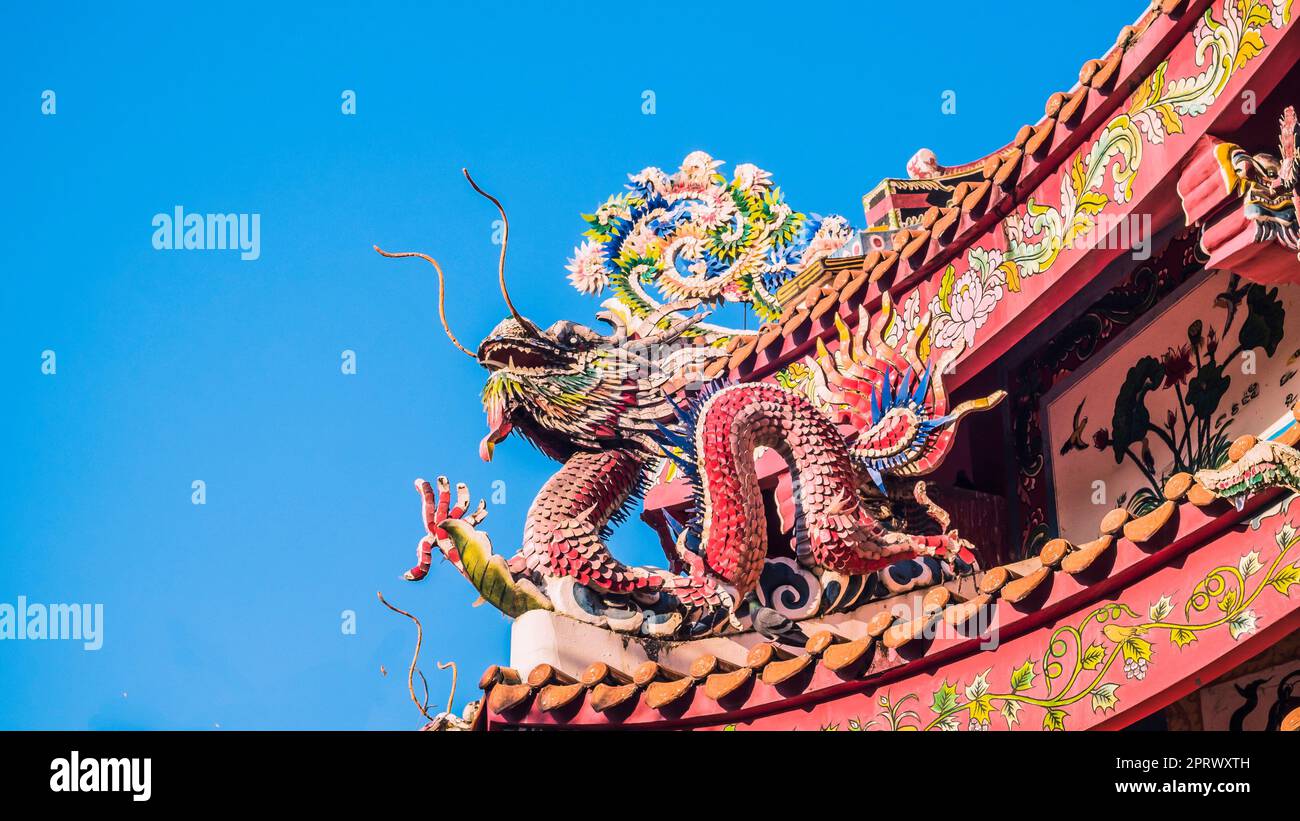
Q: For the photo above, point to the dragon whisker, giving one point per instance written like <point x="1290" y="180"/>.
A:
<point x="501" y="263"/>
<point x="442" y="293"/>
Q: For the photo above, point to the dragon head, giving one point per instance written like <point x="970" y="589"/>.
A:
<point x="569" y="388"/>
<point x="1270" y="184"/>
<point x="561" y="388"/>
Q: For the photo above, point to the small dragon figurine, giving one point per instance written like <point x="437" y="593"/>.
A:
<point x="1253" y="465"/>
<point x="611" y="408"/>
<point x="1269" y="185"/>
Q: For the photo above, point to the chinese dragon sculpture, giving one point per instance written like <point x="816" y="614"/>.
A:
<point x="611" y="408"/>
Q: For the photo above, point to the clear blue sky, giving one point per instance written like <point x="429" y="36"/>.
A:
<point x="177" y="366"/>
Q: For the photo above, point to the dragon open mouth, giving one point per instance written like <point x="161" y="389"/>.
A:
<point x="518" y="358"/>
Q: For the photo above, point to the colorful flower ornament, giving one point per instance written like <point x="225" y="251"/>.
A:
<point x="696" y="237"/>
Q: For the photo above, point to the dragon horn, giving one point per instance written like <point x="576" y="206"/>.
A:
<point x="658" y="314"/>
<point x="442" y="293"/>
<point x="501" y="264"/>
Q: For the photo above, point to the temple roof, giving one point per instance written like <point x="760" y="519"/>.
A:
<point x="918" y="225"/>
<point x="571" y="672"/>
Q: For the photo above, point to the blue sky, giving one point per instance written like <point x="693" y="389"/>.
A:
<point x="176" y="366"/>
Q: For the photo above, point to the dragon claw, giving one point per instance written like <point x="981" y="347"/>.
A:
<point x="490" y="574"/>
<point x="438" y="510"/>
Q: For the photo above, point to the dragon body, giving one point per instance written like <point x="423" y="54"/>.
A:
<point x="611" y="408"/>
<point x="877" y="420"/>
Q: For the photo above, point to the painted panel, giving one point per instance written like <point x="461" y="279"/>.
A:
<point x="1217" y="362"/>
<point x="1055" y="363"/>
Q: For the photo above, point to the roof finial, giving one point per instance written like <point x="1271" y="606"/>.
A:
<point x="924" y="165"/>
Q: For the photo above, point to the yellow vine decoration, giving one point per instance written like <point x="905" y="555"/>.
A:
<point x="1035" y="237"/>
<point x="1224" y="588"/>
